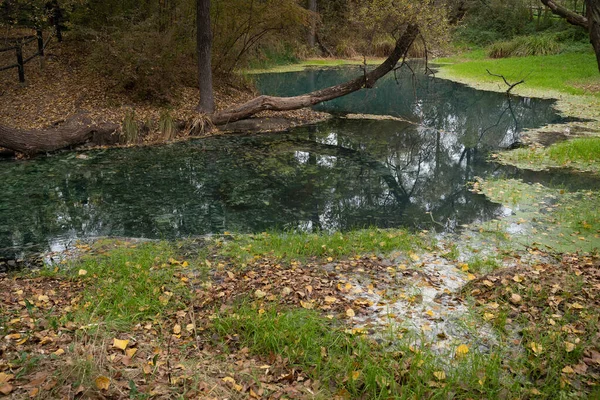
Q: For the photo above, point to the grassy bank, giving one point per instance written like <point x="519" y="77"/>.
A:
<point x="571" y="73"/>
<point x="275" y="315"/>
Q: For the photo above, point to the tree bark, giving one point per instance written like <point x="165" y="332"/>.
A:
<point x="571" y="17"/>
<point x="262" y="103"/>
<point x="593" y="16"/>
<point x="204" y="48"/>
<point x="312" y="7"/>
<point x="76" y="130"/>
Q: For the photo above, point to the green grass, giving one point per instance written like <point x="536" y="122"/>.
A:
<point x="128" y="285"/>
<point x="356" y="367"/>
<point x="302" y="246"/>
<point x="581" y="154"/>
<point x="563" y="72"/>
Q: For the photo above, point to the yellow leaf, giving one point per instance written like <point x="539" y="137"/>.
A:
<point x="82" y="272"/>
<point x="120" y="344"/>
<point x="464" y="267"/>
<point x="462" y="350"/>
<point x="355" y="375"/>
<point x="185" y="264"/>
<point x="329" y="259"/>
<point x="177" y="329"/>
<point x="102" y="382"/>
<point x="231" y="275"/>
<point x="330" y="299"/>
<point x="59" y="352"/>
<point x="536" y="347"/>
<point x="44" y="298"/>
<point x="568" y="370"/>
<point x="261" y="311"/>
<point x="577" y="306"/>
<point x="440" y="375"/>
<point x="471" y="277"/>
<point x="130" y="352"/>
<point x="5" y="377"/>
<point x="309" y="305"/>
<point x="350" y="313"/>
<point x="430" y="313"/>
<point x="488" y="316"/>
<point x="190" y="327"/>
<point x="259" y="294"/>
<point x="569" y="347"/>
<point x="517" y="278"/>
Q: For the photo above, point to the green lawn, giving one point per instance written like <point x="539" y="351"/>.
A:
<point x="573" y="73"/>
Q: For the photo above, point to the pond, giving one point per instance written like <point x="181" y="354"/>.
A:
<point x="337" y="175"/>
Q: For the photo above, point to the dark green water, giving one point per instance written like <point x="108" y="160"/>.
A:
<point x="342" y="174"/>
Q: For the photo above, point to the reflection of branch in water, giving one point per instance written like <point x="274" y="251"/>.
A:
<point x="362" y="158"/>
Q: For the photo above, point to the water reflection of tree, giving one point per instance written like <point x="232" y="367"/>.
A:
<point x="340" y="175"/>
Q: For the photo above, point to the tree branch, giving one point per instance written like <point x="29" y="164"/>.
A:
<point x="571" y="17"/>
<point x="274" y="103"/>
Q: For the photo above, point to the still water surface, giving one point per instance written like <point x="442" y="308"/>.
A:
<point x="337" y="175"/>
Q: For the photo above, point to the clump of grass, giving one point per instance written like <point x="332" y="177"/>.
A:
<point x="522" y="46"/>
<point x="585" y="149"/>
<point x="357" y="366"/>
<point x="166" y="125"/>
<point x="130" y="128"/>
<point x="322" y="245"/>
<point x="128" y="285"/>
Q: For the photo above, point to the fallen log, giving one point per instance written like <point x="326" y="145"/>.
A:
<point x="80" y="129"/>
<point x="273" y="103"/>
<point x="76" y="130"/>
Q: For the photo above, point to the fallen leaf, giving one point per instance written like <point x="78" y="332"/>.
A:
<point x="102" y="382"/>
<point x="569" y="347"/>
<point x="350" y="313"/>
<point x="82" y="272"/>
<point x="440" y="375"/>
<point x="6" y="388"/>
<point x="120" y="344"/>
<point x="462" y="350"/>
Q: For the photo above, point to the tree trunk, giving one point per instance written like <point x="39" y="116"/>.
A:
<point x="593" y="16"/>
<point x="76" y="130"/>
<point x="312" y="7"/>
<point x="80" y="129"/>
<point x="203" y="48"/>
<point x="273" y="103"/>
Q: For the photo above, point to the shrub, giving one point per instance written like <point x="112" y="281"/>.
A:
<point x="535" y="45"/>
